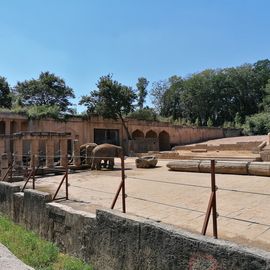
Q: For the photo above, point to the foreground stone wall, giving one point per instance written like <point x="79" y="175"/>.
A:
<point x="111" y="240"/>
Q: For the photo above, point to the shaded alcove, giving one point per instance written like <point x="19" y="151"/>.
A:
<point x="2" y="127"/>
<point x="137" y="134"/>
<point x="151" y="134"/>
<point x="164" y="141"/>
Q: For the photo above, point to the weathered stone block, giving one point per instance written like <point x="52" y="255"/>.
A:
<point x="265" y="155"/>
<point x="35" y="216"/>
<point x="7" y="191"/>
<point x="146" y="162"/>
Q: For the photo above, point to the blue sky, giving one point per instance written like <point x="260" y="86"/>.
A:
<point x="81" y="40"/>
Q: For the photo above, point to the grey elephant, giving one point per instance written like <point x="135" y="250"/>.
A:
<point x="107" y="153"/>
<point x="86" y="153"/>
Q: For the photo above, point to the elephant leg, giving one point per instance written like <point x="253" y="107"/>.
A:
<point x="105" y="163"/>
<point x="93" y="163"/>
<point x="98" y="164"/>
<point x="111" y="163"/>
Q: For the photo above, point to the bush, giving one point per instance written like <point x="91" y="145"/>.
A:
<point x="147" y="114"/>
<point x="257" y="124"/>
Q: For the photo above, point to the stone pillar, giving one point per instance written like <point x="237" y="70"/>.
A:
<point x="63" y="152"/>
<point x="50" y="153"/>
<point x="18" y="151"/>
<point x="34" y="151"/>
<point x="7" y="133"/>
<point x="4" y="165"/>
<point x="268" y="138"/>
<point x="7" y="127"/>
<point x="2" y="146"/>
<point x="76" y="153"/>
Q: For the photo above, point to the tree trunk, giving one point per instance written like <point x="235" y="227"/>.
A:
<point x="125" y="127"/>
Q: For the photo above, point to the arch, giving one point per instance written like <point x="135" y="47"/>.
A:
<point x="137" y="134"/>
<point x="164" y="141"/>
<point x="151" y="134"/>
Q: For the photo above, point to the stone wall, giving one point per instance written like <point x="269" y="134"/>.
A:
<point x="112" y="240"/>
<point x="83" y="130"/>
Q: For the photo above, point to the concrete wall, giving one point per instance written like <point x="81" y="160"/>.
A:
<point x="112" y="240"/>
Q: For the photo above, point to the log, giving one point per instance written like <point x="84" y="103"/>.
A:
<point x="184" y="165"/>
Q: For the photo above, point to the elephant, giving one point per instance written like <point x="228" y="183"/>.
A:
<point x="86" y="153"/>
<point x="105" y="152"/>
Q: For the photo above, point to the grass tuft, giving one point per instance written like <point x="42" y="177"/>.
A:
<point x="38" y="253"/>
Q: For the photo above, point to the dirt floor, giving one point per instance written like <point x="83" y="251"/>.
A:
<point x="177" y="198"/>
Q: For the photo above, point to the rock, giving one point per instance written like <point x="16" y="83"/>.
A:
<point x="146" y="162"/>
<point x="184" y="165"/>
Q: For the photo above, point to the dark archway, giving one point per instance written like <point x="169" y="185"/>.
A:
<point x="137" y="134"/>
<point x="2" y="127"/>
<point x="164" y="141"/>
<point x="151" y="134"/>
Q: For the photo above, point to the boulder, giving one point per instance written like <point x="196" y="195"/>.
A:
<point x="146" y="162"/>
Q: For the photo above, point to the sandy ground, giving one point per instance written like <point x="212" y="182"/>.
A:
<point x="177" y="198"/>
<point x="9" y="262"/>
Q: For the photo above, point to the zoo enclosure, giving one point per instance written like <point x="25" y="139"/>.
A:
<point x="31" y="172"/>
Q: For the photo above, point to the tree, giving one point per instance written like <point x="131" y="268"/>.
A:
<point x="112" y="100"/>
<point x="157" y="92"/>
<point x="266" y="98"/>
<point x="172" y="103"/>
<point x="146" y="113"/>
<point x="47" y="90"/>
<point x="5" y="97"/>
<point x="141" y="91"/>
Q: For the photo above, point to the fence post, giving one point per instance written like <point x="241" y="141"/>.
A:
<point x="34" y="171"/>
<point x="66" y="167"/>
<point x="212" y="206"/>
<point x="121" y="186"/>
<point x="214" y="203"/>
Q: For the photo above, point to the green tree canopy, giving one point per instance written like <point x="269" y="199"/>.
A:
<point x="141" y="91"/>
<point x="5" y="97"/>
<point x="216" y="94"/>
<point x="48" y="90"/>
<point x="146" y="113"/>
<point x="111" y="100"/>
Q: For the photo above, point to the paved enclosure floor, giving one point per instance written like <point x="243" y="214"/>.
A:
<point x="177" y="198"/>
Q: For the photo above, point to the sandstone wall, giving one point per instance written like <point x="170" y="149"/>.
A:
<point x="112" y="240"/>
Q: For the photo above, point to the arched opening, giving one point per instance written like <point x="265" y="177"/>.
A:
<point x="2" y="127"/>
<point x="137" y="134"/>
<point x="151" y="134"/>
<point x="164" y="141"/>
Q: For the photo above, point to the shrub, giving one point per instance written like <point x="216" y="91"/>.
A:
<point x="257" y="124"/>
